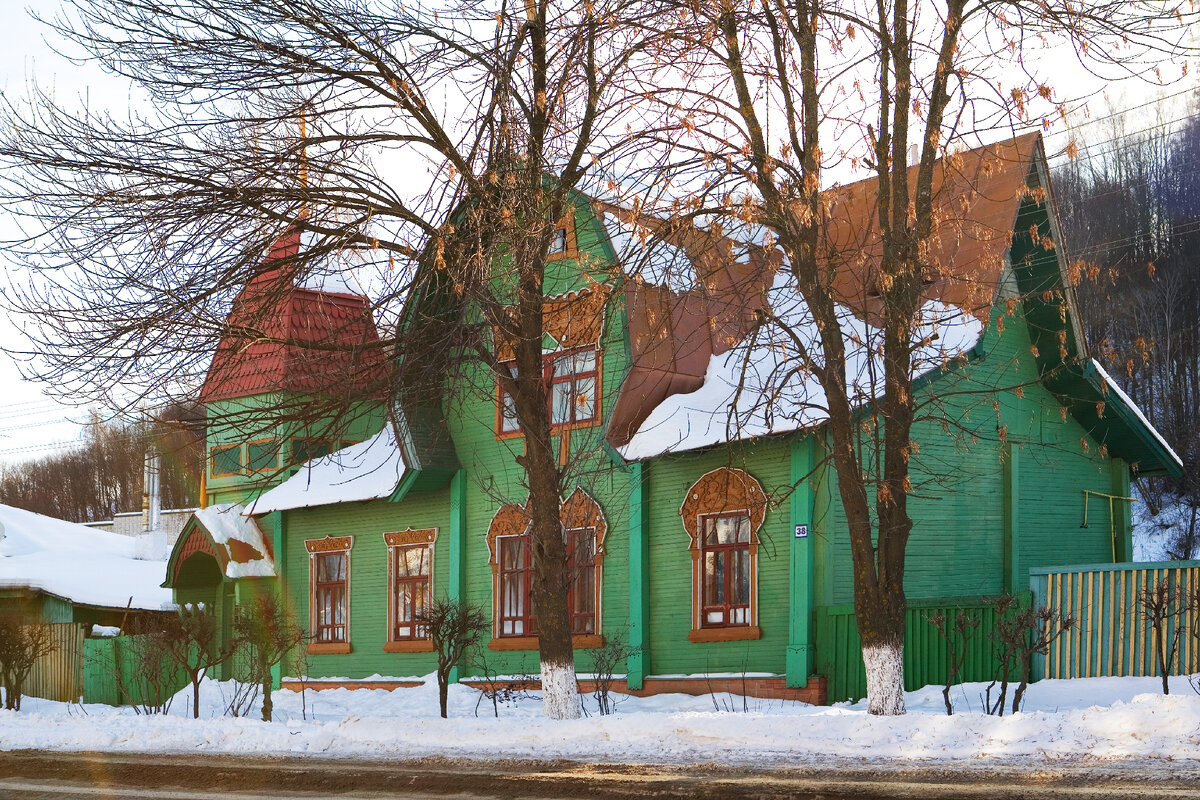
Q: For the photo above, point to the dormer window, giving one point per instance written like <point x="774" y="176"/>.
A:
<point x="558" y="242"/>
<point x="573" y="378"/>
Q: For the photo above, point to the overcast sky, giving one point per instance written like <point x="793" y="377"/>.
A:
<point x="33" y="425"/>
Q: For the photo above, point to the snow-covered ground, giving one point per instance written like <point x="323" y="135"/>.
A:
<point x="1098" y="718"/>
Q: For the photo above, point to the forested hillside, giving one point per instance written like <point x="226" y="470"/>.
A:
<point x="1130" y="209"/>
<point x="103" y="475"/>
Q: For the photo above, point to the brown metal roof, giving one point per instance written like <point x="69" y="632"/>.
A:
<point x="673" y="334"/>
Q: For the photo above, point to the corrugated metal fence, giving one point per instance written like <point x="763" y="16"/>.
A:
<point x="58" y="674"/>
<point x="926" y="654"/>
<point x="1112" y="635"/>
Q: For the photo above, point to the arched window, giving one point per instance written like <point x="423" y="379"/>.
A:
<point x="511" y="558"/>
<point x="722" y="513"/>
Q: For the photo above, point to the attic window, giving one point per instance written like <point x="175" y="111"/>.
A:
<point x="226" y="460"/>
<point x="558" y="242"/>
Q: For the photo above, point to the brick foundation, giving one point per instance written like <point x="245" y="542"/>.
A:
<point x="765" y="688"/>
<point x="316" y="686"/>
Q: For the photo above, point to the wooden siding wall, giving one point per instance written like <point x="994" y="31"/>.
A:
<point x="926" y="654"/>
<point x="58" y="675"/>
<point x="957" y="544"/>
<point x="1112" y="635"/>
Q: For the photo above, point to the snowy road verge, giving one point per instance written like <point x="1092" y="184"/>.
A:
<point x="1100" y="720"/>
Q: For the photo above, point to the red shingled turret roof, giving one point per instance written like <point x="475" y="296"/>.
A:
<point x="283" y="337"/>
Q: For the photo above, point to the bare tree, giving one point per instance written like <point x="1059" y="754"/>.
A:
<point x="21" y="645"/>
<point x="956" y="634"/>
<point x="426" y="152"/>
<point x="192" y="637"/>
<point x="770" y="97"/>
<point x="455" y="628"/>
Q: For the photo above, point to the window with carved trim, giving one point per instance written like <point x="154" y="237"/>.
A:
<point x="510" y="547"/>
<point x="410" y="571"/>
<point x="330" y="579"/>
<point x="572" y="379"/>
<point x="516" y="583"/>
<point x="329" y="594"/>
<point x="725" y="551"/>
<point x="722" y="513"/>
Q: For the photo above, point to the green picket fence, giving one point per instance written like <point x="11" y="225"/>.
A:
<point x="926" y="654"/>
<point x="115" y="672"/>
<point x="1112" y="635"/>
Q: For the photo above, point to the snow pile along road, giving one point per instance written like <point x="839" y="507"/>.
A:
<point x="1100" y="718"/>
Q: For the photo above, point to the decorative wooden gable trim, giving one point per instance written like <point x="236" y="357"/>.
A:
<point x="721" y="491"/>
<point x="572" y="320"/>
<point x="406" y="538"/>
<point x="198" y="541"/>
<point x="726" y="490"/>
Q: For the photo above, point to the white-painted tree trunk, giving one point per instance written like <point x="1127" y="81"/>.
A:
<point x="560" y="691"/>
<point x="885" y="679"/>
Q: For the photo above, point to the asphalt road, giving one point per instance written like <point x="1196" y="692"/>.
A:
<point x="35" y="775"/>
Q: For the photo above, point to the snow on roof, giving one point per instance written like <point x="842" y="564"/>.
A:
<point x="84" y="565"/>
<point x="757" y="388"/>
<point x="368" y="470"/>
<point x="229" y="527"/>
<point x="641" y="252"/>
<point x="1132" y="406"/>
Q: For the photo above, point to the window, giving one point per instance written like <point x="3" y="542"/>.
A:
<point x="562" y="241"/>
<point x="722" y="514"/>
<point x="226" y="460"/>
<point x="329" y="596"/>
<point x="262" y="455"/>
<point x="516" y="587"/>
<point x="581" y="561"/>
<point x="508" y="408"/>
<point x="573" y="387"/>
<point x="308" y="449"/>
<point x="725" y="550"/>
<point x="410" y="567"/>
<point x="516" y="583"/>
<point x="510" y="546"/>
<point x="572" y="378"/>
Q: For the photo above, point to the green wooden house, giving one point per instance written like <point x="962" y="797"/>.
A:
<point x="705" y="527"/>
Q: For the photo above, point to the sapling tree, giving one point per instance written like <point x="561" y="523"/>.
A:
<point x="956" y="634"/>
<point x="1019" y="634"/>
<point x="455" y="628"/>
<point x="266" y="632"/>
<point x="1163" y="607"/>
<point x="192" y="637"/>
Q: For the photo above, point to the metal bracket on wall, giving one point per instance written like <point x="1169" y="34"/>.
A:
<point x="1112" y="527"/>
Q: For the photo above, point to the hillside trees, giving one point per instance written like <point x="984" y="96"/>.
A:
<point x="102" y="476"/>
<point x="1131" y="214"/>
<point x="775" y="96"/>
<point x="410" y="146"/>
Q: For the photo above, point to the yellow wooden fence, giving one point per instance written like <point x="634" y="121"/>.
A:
<point x="1112" y="635"/>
